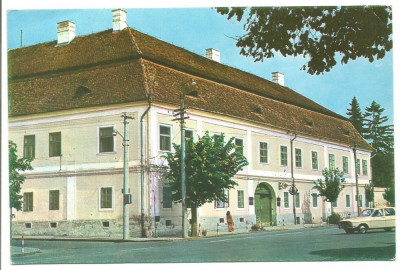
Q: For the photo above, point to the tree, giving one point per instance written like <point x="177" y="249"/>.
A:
<point x="330" y="187"/>
<point x="369" y="194"/>
<point x="16" y="180"/>
<point x="210" y="166"/>
<point x="355" y="116"/>
<point x="389" y="195"/>
<point x="319" y="33"/>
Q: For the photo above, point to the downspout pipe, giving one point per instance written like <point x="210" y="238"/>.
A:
<point x="292" y="174"/>
<point x="142" y="168"/>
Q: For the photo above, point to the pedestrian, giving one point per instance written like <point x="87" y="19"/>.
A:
<point x="229" y="220"/>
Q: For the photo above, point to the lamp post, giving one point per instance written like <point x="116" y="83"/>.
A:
<point x="127" y="198"/>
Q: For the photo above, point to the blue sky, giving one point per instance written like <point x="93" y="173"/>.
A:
<point x="197" y="29"/>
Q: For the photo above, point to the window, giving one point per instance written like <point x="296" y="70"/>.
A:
<point x="239" y="144"/>
<point x="284" y="157"/>
<point x="54" y="200"/>
<point x="389" y="212"/>
<point x="360" y="201"/>
<point x="332" y="164"/>
<point x="314" y="199"/>
<point x="314" y="160"/>
<point x="53" y="224"/>
<point x="345" y="164"/>
<point x="334" y="204"/>
<point x="263" y="152"/>
<point x="29" y="146"/>
<point x="299" y="161"/>
<point x="167" y="200"/>
<point x="165" y="138"/>
<point x="221" y="204"/>
<point x="365" y="168"/>
<point x="55" y="144"/>
<point x="358" y="167"/>
<point x="218" y="137"/>
<point x="286" y="199"/>
<point x="297" y="197"/>
<point x="240" y="198"/>
<point x="188" y="134"/>
<point x="347" y="201"/>
<point x="28" y="202"/>
<point x="106" y="140"/>
<point x="106" y="198"/>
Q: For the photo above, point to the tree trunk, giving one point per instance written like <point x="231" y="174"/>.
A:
<point x="194" y="222"/>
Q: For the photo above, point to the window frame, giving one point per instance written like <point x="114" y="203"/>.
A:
<point x="30" y="145"/>
<point x="27" y="206"/>
<point x="101" y="209"/>
<point x="259" y="153"/>
<point x="242" y="146"/>
<point x="358" y="166"/>
<point x="312" y="161"/>
<point x="52" y="200"/>
<point x="314" y="195"/>
<point x="347" y="164"/>
<point x="301" y="158"/>
<point x="284" y="200"/>
<point x="225" y="204"/>
<point x="365" y="167"/>
<point x="99" y="140"/>
<point x="332" y="161"/>
<point x="280" y="156"/>
<point x="57" y="144"/>
<point x="164" y="135"/>
<point x="348" y="201"/>
<point x="297" y="197"/>
<point x="237" y="193"/>
<point x="170" y="195"/>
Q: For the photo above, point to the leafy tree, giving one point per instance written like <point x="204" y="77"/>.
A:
<point x="210" y="166"/>
<point x="369" y="193"/>
<point x="375" y="131"/>
<point x="319" y="33"/>
<point x="389" y="194"/>
<point x="16" y="180"/>
<point x="330" y="187"/>
<point x="355" y="115"/>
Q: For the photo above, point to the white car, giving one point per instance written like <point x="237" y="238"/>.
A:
<point x="370" y="218"/>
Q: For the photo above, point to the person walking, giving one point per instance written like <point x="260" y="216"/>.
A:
<point x="229" y="220"/>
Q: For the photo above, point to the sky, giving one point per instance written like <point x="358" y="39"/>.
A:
<point x="197" y="29"/>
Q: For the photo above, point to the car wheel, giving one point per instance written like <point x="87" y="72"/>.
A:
<point x="388" y="229"/>
<point x="362" y="229"/>
<point x="349" y="231"/>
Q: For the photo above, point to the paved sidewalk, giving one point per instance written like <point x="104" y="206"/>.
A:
<point x="16" y="251"/>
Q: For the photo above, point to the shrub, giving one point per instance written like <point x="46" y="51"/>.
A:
<point x="255" y="227"/>
<point x="334" y="218"/>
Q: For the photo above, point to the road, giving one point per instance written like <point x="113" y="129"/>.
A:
<point x="315" y="244"/>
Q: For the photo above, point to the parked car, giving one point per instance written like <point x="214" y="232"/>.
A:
<point x="370" y="218"/>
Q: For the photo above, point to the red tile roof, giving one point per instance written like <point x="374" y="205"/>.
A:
<point x="112" y="68"/>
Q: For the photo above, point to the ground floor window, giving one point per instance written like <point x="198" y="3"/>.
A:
<point x="348" y="201"/>
<point x="28" y="202"/>
<point x="221" y="204"/>
<point x="286" y="199"/>
<point x="167" y="200"/>
<point x="314" y="199"/>
<point x="54" y="200"/>
<point x="106" y="198"/>
<point x="297" y="196"/>
<point x="334" y="203"/>
<point x="240" y="198"/>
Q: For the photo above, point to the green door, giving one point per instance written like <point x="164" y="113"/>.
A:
<point x="263" y="207"/>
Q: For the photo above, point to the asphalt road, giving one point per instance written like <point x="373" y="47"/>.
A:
<point x="316" y="244"/>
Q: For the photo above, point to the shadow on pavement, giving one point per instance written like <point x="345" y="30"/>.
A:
<point x="358" y="254"/>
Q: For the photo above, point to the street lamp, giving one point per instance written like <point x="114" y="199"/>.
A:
<point x="127" y="197"/>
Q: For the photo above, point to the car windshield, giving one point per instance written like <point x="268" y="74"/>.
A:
<point x="366" y="213"/>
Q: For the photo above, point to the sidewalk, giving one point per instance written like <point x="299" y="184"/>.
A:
<point x="17" y="251"/>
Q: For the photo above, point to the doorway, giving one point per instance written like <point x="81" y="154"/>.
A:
<point x="265" y="202"/>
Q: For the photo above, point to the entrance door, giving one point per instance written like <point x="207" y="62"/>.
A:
<point x="263" y="205"/>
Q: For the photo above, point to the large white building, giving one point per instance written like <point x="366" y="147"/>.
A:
<point x="67" y="97"/>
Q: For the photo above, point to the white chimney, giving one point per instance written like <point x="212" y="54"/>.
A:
<point x="65" y="32"/>
<point x="278" y="78"/>
<point x="213" y="55"/>
<point x="119" y="20"/>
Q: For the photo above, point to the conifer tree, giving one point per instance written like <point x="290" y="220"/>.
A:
<point x="355" y="116"/>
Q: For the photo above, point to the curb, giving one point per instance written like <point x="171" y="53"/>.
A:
<point x="20" y="254"/>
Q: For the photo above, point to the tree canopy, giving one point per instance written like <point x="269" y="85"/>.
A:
<point x="331" y="186"/>
<point x="319" y="33"/>
<point x="16" y="180"/>
<point x="210" y="165"/>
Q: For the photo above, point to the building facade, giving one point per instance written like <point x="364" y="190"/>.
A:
<point x="66" y="101"/>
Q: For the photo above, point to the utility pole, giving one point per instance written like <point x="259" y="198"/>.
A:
<point x="293" y="190"/>
<point x="356" y="163"/>
<point x="127" y="196"/>
<point x="181" y="114"/>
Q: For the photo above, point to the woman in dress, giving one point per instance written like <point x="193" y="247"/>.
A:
<point x="229" y="220"/>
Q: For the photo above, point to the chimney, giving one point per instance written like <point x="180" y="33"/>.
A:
<point x="278" y="78"/>
<point x="119" y="20"/>
<point x="213" y="54"/>
<point x="65" y="32"/>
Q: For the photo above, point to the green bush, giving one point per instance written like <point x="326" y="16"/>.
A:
<point x="255" y="227"/>
<point x="334" y="218"/>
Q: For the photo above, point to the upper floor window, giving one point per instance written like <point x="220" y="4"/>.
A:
<point x="284" y="155"/>
<point x="55" y="144"/>
<point x="263" y="152"/>
<point x="365" y="168"/>
<point x="165" y="138"/>
<point x="299" y="160"/>
<point x="314" y="160"/>
<point x="358" y="167"/>
<point x="345" y="164"/>
<point x="106" y="140"/>
<point x="28" y="202"/>
<point x="332" y="164"/>
<point x="29" y="146"/>
<point x="239" y="144"/>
